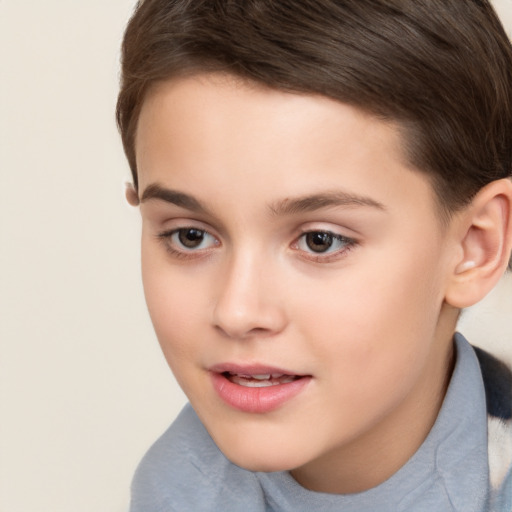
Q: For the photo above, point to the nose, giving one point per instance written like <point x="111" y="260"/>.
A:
<point x="247" y="302"/>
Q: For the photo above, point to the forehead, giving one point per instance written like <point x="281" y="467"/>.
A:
<point x="197" y="108"/>
<point x="215" y="132"/>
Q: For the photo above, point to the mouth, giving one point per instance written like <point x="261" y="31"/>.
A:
<point x="256" y="389"/>
<point x="262" y="380"/>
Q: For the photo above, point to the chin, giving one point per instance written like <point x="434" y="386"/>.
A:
<point x="258" y="459"/>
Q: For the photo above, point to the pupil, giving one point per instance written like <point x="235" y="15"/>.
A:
<point x="318" y="241"/>
<point x="191" y="238"/>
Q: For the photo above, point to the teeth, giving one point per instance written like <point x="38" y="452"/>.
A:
<point x="261" y="380"/>
<point x="262" y="376"/>
<point x="256" y="383"/>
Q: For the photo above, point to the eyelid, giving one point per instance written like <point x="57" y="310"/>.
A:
<point x="173" y="224"/>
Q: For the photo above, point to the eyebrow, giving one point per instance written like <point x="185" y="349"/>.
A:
<point x="156" y="191"/>
<point x="311" y="203"/>
<point x="288" y="206"/>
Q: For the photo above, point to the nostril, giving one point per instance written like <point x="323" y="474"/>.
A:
<point x="242" y="333"/>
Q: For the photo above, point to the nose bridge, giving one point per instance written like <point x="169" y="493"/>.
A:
<point x="245" y="302"/>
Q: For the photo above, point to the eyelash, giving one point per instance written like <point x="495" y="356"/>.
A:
<point x="166" y="237"/>
<point x="325" y="257"/>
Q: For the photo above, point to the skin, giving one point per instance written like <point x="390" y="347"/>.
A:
<point x="367" y="319"/>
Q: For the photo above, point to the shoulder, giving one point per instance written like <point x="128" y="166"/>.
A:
<point x="497" y="379"/>
<point x="184" y="470"/>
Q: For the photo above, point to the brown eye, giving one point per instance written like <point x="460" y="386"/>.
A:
<point x="188" y="242"/>
<point x="191" y="238"/>
<point x="324" y="246"/>
<point x="319" y="241"/>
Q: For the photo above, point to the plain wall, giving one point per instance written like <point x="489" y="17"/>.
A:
<point x="84" y="389"/>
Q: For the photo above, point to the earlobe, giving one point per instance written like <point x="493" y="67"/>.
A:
<point x="485" y="244"/>
<point x="131" y="195"/>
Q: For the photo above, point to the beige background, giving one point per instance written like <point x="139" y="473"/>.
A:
<point x="83" y="387"/>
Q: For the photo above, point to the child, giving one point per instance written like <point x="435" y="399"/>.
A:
<point x="324" y="185"/>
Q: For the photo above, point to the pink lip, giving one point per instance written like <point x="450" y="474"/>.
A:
<point x="255" y="400"/>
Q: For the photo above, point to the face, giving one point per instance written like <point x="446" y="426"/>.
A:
<point x="294" y="268"/>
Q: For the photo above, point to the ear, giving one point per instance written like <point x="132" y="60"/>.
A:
<point x="131" y="195"/>
<point x="484" y="234"/>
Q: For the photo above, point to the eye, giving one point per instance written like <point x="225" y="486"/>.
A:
<point x="188" y="239"/>
<point x="323" y="242"/>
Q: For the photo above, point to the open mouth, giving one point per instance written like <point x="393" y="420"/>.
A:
<point x="260" y="381"/>
<point x="256" y="388"/>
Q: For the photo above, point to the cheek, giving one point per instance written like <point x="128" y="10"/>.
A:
<point x="173" y="306"/>
<point x="374" y="328"/>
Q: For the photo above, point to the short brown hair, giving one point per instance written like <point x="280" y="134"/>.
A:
<point x="441" y="69"/>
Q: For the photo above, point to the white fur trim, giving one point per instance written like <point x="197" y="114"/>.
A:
<point x="500" y="450"/>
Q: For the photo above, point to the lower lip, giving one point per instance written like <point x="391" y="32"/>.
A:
<point x="257" y="400"/>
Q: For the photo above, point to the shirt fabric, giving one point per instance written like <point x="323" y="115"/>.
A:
<point x="185" y="471"/>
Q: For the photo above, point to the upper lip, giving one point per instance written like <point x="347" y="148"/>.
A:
<point x="251" y="369"/>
